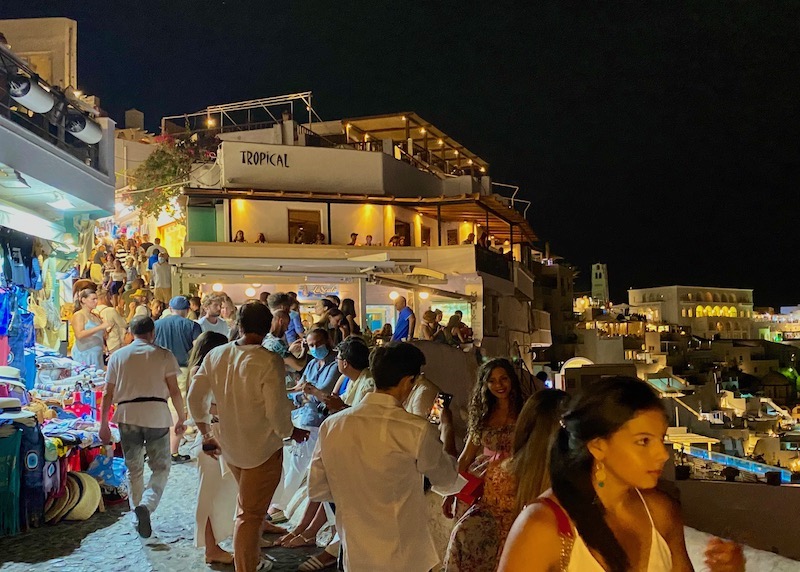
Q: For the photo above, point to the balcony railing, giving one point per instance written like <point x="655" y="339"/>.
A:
<point x="40" y="126"/>
<point x="492" y="263"/>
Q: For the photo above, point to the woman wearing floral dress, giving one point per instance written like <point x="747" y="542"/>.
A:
<point x="494" y="406"/>
<point x="509" y="485"/>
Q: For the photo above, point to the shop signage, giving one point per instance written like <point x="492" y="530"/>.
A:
<point x="265" y="159"/>
<point x="317" y="291"/>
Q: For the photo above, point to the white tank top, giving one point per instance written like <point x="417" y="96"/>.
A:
<point x="660" y="559"/>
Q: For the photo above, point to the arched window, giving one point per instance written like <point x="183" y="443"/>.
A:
<point x="683" y="312"/>
<point x="699" y="312"/>
<point x="690" y="312"/>
<point x="689" y="296"/>
<point x="708" y="297"/>
<point x="716" y="297"/>
<point x="716" y="311"/>
<point x="707" y="311"/>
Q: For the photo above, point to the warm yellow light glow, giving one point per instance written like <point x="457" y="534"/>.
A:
<point x="256" y="285"/>
<point x="366" y="136"/>
<point x="422" y="130"/>
<point x="403" y="118"/>
<point x="441" y="142"/>
<point x="210" y="122"/>
<point x="250" y="292"/>
<point x="347" y="126"/>
<point x="456" y="152"/>
<point x="393" y="295"/>
<point x="483" y="169"/>
<point x="78" y="93"/>
<point x="423" y="295"/>
<point x="217" y="287"/>
<point x="469" y="162"/>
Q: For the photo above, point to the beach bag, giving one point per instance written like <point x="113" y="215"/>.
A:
<point x="110" y="472"/>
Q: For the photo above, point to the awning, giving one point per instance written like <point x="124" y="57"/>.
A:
<point x="25" y="221"/>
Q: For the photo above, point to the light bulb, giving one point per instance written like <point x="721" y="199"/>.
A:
<point x="250" y="292"/>
<point x="423" y="295"/>
<point x="217" y="287"/>
<point x="393" y="295"/>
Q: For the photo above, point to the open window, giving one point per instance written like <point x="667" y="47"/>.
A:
<point x="304" y="226"/>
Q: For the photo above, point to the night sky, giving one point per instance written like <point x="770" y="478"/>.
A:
<point x="658" y="137"/>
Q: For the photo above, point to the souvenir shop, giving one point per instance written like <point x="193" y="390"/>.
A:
<point x="53" y="466"/>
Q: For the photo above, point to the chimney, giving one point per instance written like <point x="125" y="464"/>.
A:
<point x="134" y="119"/>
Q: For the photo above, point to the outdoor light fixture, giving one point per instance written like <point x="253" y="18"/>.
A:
<point x="250" y="292"/>
<point x="210" y="122"/>
<point x="469" y="162"/>
<point x="256" y="285"/>
<point x="61" y="203"/>
<point x="217" y="287"/>
<point x="29" y="93"/>
<point x="393" y="295"/>
<point x="422" y="130"/>
<point x="423" y="295"/>
<point x="441" y="142"/>
<point x="83" y="128"/>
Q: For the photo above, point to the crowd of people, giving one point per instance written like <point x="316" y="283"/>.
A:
<point x="311" y="421"/>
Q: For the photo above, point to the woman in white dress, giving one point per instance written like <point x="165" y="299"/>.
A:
<point x="216" y="495"/>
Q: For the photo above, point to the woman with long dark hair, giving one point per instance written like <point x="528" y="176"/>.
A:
<point x="603" y="512"/>
<point x="493" y="410"/>
<point x="216" y="495"/>
<point x="348" y="308"/>
<point x="478" y="537"/>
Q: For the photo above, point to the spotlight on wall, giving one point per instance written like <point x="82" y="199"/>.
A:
<point x="250" y="292"/>
<point x="394" y="295"/>
<point x="217" y="287"/>
<point x="83" y="128"/>
<point x="423" y="295"/>
<point x="29" y="93"/>
<point x="256" y="285"/>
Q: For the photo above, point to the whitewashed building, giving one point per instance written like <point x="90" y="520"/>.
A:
<point x="393" y="176"/>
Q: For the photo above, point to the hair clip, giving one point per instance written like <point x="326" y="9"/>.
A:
<point x="561" y="422"/>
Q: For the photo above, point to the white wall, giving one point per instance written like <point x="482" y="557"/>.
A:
<point x="128" y="156"/>
<point x="49" y="43"/>
<point x="363" y="219"/>
<point x="271" y="218"/>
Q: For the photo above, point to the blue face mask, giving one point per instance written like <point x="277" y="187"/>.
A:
<point x="293" y="314"/>
<point x="319" y="352"/>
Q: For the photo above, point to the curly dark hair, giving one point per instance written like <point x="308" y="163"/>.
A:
<point x="483" y="402"/>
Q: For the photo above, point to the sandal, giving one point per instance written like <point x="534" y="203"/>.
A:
<point x="220" y="560"/>
<point x="313" y="564"/>
<point x="289" y="536"/>
<point x="264" y="565"/>
<point x="303" y="541"/>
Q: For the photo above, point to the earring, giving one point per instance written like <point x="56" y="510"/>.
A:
<point x="600" y="474"/>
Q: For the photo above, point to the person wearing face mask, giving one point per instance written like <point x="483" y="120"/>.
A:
<point x="295" y="330"/>
<point x="321" y="373"/>
<point x="162" y="278"/>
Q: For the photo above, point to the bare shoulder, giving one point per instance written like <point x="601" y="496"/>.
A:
<point x="666" y="511"/>
<point x="533" y="543"/>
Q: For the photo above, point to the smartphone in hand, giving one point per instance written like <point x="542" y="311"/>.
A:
<point x="441" y="402"/>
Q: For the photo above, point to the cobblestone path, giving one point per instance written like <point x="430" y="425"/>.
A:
<point x="107" y="542"/>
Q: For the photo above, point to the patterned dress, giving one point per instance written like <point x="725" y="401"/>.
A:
<point x="479" y="535"/>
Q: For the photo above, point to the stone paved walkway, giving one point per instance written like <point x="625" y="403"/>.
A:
<point x="107" y="542"/>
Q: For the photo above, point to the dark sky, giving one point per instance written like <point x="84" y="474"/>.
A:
<point x="658" y="137"/>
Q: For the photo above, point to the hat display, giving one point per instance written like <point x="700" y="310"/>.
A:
<point x="88" y="497"/>
<point x="11" y="409"/>
<point x="179" y="303"/>
<point x="74" y="489"/>
<point x="10" y="374"/>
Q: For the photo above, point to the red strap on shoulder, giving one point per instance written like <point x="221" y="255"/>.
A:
<point x="562" y="519"/>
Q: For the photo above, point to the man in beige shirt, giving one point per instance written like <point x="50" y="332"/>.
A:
<point x="247" y="384"/>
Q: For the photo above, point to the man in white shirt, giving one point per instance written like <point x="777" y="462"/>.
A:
<point x="211" y="320"/>
<point x="162" y="278"/>
<point x="140" y="378"/>
<point x="156" y="247"/>
<point x="370" y="460"/>
<point x="246" y="382"/>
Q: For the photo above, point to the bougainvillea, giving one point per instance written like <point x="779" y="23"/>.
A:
<point x="161" y="176"/>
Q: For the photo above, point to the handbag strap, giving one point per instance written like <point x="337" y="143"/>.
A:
<point x="564" y="532"/>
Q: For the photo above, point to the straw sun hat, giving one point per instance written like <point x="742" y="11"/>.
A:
<point x="88" y="497"/>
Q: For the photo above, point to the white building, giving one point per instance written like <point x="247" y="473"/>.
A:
<point x="56" y="152"/>
<point x="393" y="176"/>
<point x="726" y="312"/>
